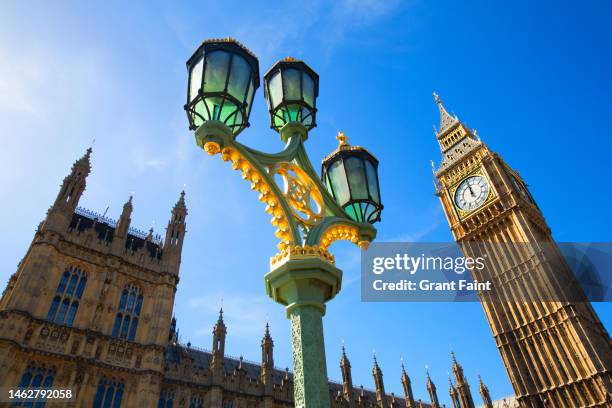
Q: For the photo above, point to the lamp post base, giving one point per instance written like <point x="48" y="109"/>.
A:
<point x="303" y="284"/>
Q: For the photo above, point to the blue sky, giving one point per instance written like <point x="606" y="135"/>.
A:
<point x="531" y="77"/>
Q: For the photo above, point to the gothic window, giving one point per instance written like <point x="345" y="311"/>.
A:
<point x="69" y="291"/>
<point x="36" y="375"/>
<point x="109" y="394"/>
<point x="196" y="402"/>
<point x="166" y="399"/>
<point x="130" y="305"/>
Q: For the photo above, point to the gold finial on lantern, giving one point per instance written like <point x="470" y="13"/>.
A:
<point x="342" y="139"/>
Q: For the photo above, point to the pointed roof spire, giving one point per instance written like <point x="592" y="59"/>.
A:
<point x="267" y="336"/>
<point x="344" y="361"/>
<point x="220" y="319"/>
<point x="430" y="383"/>
<point x="84" y="163"/>
<point x="446" y="120"/>
<point x="481" y="385"/>
<point x="128" y="203"/>
<point x="181" y="201"/>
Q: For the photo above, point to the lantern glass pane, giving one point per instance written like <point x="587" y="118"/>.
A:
<point x="356" y="178"/>
<point x="201" y="115"/>
<point x="275" y="90"/>
<point x="292" y="113"/>
<point x="372" y="181"/>
<point x="195" y="79"/>
<point x="223" y="110"/>
<point x="249" y="98"/>
<point x="354" y="211"/>
<point x="367" y="209"/>
<point x="292" y="83"/>
<point x="308" y="89"/>
<point x="239" y="77"/>
<point x="215" y="76"/>
<point x="306" y="120"/>
<point x="339" y="182"/>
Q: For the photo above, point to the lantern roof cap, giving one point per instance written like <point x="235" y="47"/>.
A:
<point x="230" y="40"/>
<point x="344" y="146"/>
<point x="232" y="43"/>
<point x="289" y="61"/>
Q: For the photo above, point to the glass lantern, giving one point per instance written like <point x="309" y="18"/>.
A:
<point x="291" y="88"/>
<point x="350" y="174"/>
<point x="223" y="77"/>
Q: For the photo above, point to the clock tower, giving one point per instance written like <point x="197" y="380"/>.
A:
<point x="555" y="349"/>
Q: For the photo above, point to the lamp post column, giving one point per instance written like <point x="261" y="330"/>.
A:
<point x="304" y="283"/>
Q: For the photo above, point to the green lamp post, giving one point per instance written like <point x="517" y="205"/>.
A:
<point x="309" y="213"/>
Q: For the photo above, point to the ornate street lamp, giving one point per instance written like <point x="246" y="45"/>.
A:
<point x="308" y="216"/>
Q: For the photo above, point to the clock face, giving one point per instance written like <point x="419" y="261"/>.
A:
<point x="472" y="193"/>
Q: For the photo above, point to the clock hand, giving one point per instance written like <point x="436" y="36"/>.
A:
<point x="471" y="191"/>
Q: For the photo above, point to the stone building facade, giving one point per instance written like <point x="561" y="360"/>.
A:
<point x="90" y="308"/>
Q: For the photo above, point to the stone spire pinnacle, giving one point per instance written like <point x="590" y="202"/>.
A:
<point x="446" y="120"/>
<point x="124" y="220"/>
<point x="267" y="332"/>
<point x="220" y="319"/>
<point x="181" y="200"/>
<point x="431" y="388"/>
<point x="406" y="384"/>
<point x="71" y="190"/>
<point x="484" y="393"/>
<point x="347" y="379"/>
<point x="344" y="359"/>
<point x="381" y="395"/>
<point x="84" y="163"/>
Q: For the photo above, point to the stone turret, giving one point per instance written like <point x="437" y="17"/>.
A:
<point x="433" y="394"/>
<point x="381" y="396"/>
<point x="407" y="385"/>
<point x="347" y="379"/>
<point x="71" y="190"/>
<point x="175" y="232"/>
<point x="484" y="393"/>
<point x="463" y="388"/>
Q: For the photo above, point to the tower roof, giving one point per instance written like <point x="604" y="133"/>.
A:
<point x="446" y="120"/>
<point x="180" y="204"/>
<point x="344" y="359"/>
<point x="220" y="322"/>
<point x="83" y="164"/>
<point x="481" y="385"/>
<point x="267" y="337"/>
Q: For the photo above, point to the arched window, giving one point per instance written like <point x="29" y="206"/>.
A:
<point x="109" y="393"/>
<point x="69" y="291"/>
<point x="126" y="320"/>
<point x="196" y="402"/>
<point x="36" y="375"/>
<point x="166" y="399"/>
